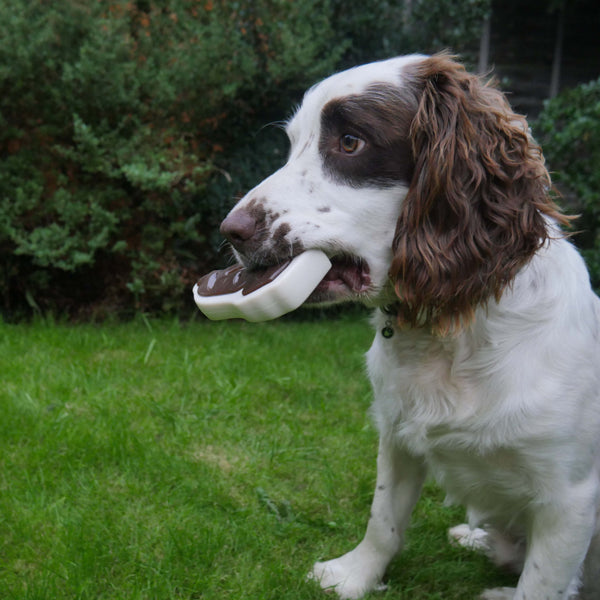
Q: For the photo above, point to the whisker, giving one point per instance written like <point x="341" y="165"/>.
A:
<point x="277" y="124"/>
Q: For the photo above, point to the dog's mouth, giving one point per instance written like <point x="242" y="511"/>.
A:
<point x="347" y="279"/>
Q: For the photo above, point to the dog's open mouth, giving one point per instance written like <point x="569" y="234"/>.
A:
<point x="348" y="278"/>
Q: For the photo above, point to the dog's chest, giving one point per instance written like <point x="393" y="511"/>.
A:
<point x="420" y="390"/>
<point x="435" y="402"/>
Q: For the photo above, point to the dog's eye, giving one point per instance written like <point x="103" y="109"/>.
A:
<point x="350" y="144"/>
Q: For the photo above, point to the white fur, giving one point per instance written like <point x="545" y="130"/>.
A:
<point x="505" y="415"/>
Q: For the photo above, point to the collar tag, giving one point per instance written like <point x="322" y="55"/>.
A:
<point x="387" y="331"/>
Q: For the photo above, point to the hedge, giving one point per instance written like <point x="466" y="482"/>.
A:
<point x="111" y="117"/>
<point x="569" y="131"/>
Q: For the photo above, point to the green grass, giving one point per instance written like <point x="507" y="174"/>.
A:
<point x="203" y="460"/>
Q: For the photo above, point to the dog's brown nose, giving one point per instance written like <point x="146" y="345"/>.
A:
<point x="238" y="227"/>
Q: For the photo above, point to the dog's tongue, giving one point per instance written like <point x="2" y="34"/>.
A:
<point x="233" y="279"/>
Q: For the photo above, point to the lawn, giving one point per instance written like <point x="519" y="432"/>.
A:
<point x="159" y="460"/>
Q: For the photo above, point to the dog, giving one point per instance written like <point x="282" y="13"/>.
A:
<point x="432" y="201"/>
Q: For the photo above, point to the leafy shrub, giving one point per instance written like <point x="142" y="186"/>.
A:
<point x="569" y="130"/>
<point x="380" y="29"/>
<point x="114" y="118"/>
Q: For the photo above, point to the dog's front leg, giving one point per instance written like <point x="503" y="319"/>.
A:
<point x="399" y="480"/>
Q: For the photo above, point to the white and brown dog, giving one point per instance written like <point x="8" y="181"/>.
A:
<point x="433" y="203"/>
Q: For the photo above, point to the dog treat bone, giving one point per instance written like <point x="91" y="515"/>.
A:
<point x="264" y="294"/>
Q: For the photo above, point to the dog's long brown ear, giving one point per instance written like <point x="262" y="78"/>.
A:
<point x="475" y="211"/>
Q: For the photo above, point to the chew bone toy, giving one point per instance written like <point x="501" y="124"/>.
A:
<point x="262" y="295"/>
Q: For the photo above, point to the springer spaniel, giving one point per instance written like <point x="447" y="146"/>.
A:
<point x="433" y="203"/>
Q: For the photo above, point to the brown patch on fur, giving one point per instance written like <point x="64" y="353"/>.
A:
<point x="280" y="244"/>
<point x="474" y="213"/>
<point x="381" y="117"/>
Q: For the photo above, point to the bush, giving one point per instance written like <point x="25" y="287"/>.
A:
<point x="569" y="131"/>
<point x="380" y="29"/>
<point x="115" y="116"/>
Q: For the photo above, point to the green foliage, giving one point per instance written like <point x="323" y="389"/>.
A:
<point x="378" y="29"/>
<point x="447" y="24"/>
<point x="115" y="117"/>
<point x="569" y="131"/>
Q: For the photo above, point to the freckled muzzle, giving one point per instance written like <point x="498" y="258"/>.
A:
<point x="348" y="277"/>
<point x="249" y="230"/>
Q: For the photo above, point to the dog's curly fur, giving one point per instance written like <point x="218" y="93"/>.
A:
<point x="475" y="213"/>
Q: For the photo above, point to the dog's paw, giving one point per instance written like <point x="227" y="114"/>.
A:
<point x="347" y="577"/>
<point x="473" y="539"/>
<point x="503" y="593"/>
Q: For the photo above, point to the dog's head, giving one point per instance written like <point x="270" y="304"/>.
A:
<point x="415" y="178"/>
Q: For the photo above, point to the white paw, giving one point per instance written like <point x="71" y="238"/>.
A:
<point x="349" y="578"/>
<point x="473" y="539"/>
<point x="503" y="593"/>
